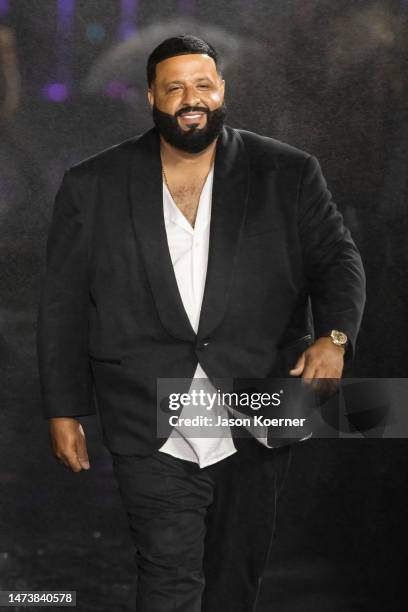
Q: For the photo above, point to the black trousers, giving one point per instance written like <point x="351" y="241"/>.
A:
<point x="202" y="536"/>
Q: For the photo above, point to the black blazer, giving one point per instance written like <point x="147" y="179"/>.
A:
<point x="282" y="269"/>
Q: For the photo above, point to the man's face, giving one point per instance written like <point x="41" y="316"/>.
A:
<point x="187" y="100"/>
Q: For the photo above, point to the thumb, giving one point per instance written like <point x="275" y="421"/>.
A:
<point x="299" y="366"/>
<point x="81" y="450"/>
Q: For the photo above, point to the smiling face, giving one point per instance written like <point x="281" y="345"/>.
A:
<point x="187" y="99"/>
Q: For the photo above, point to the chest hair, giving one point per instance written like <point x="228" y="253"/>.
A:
<point x="186" y="195"/>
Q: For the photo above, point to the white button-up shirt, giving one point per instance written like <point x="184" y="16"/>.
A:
<point x="188" y="248"/>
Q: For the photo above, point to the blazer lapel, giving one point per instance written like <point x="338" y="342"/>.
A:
<point x="229" y="202"/>
<point x="229" y="197"/>
<point x="146" y="194"/>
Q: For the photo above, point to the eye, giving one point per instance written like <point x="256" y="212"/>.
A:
<point x="173" y="88"/>
<point x="203" y="86"/>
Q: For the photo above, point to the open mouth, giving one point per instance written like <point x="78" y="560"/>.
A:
<point x="192" y="117"/>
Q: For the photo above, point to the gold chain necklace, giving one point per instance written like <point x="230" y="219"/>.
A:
<point x="166" y="181"/>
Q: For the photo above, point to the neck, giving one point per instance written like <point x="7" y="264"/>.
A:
<point x="176" y="157"/>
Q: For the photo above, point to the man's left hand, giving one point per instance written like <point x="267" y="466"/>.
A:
<point x="322" y="359"/>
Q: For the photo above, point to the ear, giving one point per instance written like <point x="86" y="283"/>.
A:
<point x="150" y="97"/>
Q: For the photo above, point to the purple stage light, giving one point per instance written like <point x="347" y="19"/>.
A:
<point x="56" y="92"/>
<point x="4" y="8"/>
<point x="128" y="8"/>
<point x="127" y="25"/>
<point x="65" y="27"/>
<point x="186" y="7"/>
<point x="116" y="89"/>
<point x="126" y="30"/>
<point x="66" y="10"/>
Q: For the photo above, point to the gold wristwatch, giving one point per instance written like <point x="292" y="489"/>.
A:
<point x="338" y="338"/>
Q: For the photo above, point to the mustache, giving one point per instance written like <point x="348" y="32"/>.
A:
<point x="191" y="109"/>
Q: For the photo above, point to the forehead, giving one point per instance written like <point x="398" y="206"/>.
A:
<point x="189" y="66"/>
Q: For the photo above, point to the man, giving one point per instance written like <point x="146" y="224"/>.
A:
<point x="192" y="250"/>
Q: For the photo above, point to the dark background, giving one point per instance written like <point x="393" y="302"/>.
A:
<point x="326" y="76"/>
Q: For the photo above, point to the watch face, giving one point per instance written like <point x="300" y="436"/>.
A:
<point x="338" y="337"/>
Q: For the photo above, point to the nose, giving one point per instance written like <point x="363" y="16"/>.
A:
<point x="191" y="97"/>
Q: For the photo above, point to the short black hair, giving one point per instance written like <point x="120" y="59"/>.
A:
<point x="183" y="44"/>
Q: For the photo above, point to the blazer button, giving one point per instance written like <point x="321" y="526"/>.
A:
<point x="203" y="345"/>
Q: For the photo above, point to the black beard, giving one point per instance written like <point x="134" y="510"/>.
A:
<point x="194" y="139"/>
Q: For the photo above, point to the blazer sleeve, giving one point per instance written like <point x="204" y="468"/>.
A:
<point x="62" y="323"/>
<point x="332" y="262"/>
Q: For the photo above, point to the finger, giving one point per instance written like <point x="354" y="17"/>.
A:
<point x="321" y="386"/>
<point x="74" y="463"/>
<point x="331" y="387"/>
<point x="71" y="461"/>
<point x="309" y="373"/>
<point x="325" y="385"/>
<point x="62" y="460"/>
<point x="317" y="381"/>
<point x="298" y="367"/>
<point x="329" y="373"/>
<point x="81" y="450"/>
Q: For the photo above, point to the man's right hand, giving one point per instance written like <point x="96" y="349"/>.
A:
<point x="68" y="442"/>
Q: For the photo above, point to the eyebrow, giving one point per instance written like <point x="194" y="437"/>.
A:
<point x="181" y="82"/>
